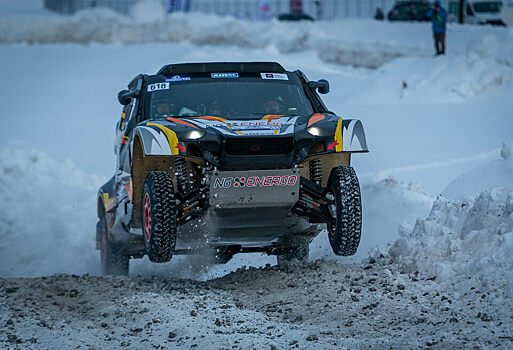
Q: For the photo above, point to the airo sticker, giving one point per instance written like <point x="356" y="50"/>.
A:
<point x="224" y="75"/>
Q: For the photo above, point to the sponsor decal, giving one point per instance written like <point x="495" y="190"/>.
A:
<point x="177" y="78"/>
<point x="252" y="125"/>
<point x="224" y="75"/>
<point x="255" y="181"/>
<point x="274" y="76"/>
<point x="332" y="145"/>
<point x="158" y="86"/>
<point x="256" y="127"/>
<point x="271" y="126"/>
<point x="180" y="148"/>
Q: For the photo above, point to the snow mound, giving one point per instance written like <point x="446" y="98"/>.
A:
<point x="359" y="55"/>
<point x="447" y="79"/>
<point x="48" y="216"/>
<point x="359" y="43"/>
<point x="147" y="11"/>
<point x="387" y="204"/>
<point x="493" y="174"/>
<point x="463" y="245"/>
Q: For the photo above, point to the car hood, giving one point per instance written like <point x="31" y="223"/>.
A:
<point x="269" y="125"/>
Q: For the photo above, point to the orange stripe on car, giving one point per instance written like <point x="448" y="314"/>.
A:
<point x="208" y="117"/>
<point x="315" y="118"/>
<point x="179" y="121"/>
<point x="271" y="117"/>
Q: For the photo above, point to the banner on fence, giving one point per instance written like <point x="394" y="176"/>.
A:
<point x="178" y="5"/>
<point x="296" y="6"/>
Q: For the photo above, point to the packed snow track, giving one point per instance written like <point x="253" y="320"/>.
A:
<point x="319" y="305"/>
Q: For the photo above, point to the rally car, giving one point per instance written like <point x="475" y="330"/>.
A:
<point x="227" y="158"/>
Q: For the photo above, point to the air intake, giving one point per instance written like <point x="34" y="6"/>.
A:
<point x="221" y="67"/>
<point x="258" y="146"/>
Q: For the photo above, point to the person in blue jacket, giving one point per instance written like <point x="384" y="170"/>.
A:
<point x="438" y="17"/>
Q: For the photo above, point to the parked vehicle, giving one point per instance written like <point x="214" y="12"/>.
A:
<point x="295" y="17"/>
<point x="507" y="13"/>
<point x="228" y="158"/>
<point x="476" y="12"/>
<point x="409" y="11"/>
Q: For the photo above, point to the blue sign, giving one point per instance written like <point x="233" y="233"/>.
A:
<point x="177" y="5"/>
<point x="224" y="75"/>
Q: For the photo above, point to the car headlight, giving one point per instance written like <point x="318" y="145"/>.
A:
<point x="193" y="134"/>
<point x="314" y="131"/>
<point x="318" y="131"/>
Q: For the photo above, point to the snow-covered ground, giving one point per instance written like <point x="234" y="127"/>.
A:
<point x="440" y="270"/>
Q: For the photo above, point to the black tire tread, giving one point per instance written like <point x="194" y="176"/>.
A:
<point x="163" y="212"/>
<point x="344" y="183"/>
<point x="116" y="263"/>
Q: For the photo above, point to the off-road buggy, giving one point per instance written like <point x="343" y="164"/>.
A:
<point x="228" y="158"/>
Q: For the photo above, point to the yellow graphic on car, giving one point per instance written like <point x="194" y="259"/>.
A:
<point x="171" y="138"/>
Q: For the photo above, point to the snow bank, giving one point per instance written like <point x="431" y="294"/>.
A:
<point x="360" y="43"/>
<point x="48" y="216"/>
<point x="445" y="79"/>
<point x="493" y="174"/>
<point x="463" y="245"/>
<point x="387" y="203"/>
<point x="147" y="11"/>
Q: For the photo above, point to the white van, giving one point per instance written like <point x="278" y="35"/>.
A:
<point x="507" y="12"/>
<point x="476" y="12"/>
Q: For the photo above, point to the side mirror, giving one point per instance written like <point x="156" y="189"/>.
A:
<point x="124" y="96"/>
<point x="322" y="86"/>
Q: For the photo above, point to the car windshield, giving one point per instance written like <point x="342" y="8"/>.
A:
<point x="491" y="7"/>
<point x="240" y="98"/>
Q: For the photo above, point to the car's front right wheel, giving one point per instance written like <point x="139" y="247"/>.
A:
<point x="159" y="216"/>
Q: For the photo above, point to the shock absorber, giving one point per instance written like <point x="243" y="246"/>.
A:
<point x="181" y="179"/>
<point x="316" y="171"/>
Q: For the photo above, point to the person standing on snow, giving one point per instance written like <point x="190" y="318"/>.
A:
<point x="438" y="17"/>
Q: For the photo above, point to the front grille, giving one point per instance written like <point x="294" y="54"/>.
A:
<point x="259" y="146"/>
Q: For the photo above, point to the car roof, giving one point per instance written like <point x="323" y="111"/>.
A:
<point x="221" y="67"/>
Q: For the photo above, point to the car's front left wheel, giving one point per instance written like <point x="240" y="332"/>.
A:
<point x="159" y="216"/>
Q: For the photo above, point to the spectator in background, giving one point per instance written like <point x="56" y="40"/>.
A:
<point x="438" y="17"/>
<point x="318" y="9"/>
<point x="379" y="15"/>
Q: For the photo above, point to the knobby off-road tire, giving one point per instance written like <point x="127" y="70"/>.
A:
<point x="345" y="230"/>
<point x="159" y="216"/>
<point x="113" y="263"/>
<point x="301" y="253"/>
